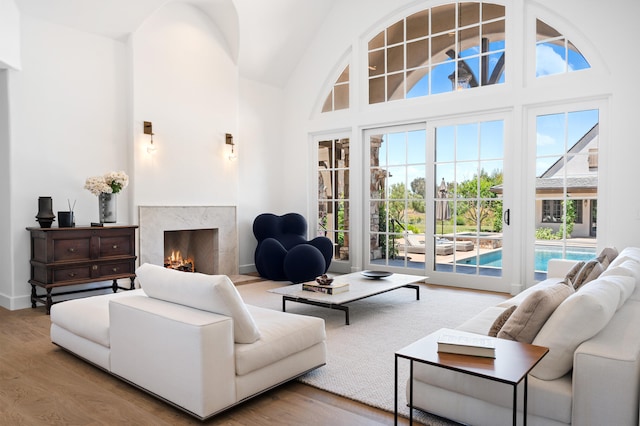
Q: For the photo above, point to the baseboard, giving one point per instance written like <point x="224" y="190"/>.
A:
<point x="247" y="269"/>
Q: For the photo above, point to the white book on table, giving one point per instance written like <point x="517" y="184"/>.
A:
<point x="457" y="342"/>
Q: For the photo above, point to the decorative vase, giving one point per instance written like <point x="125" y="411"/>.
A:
<point x="45" y="216"/>
<point x="107" y="207"/>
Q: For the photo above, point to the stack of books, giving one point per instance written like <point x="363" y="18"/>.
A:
<point x="462" y="343"/>
<point x="326" y="289"/>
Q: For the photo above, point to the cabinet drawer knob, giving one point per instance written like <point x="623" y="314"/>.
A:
<point x="115" y="246"/>
<point x="115" y="269"/>
<point x="72" y="274"/>
<point x="72" y="250"/>
<point x="94" y="267"/>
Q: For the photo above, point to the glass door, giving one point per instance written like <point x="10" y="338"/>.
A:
<point x="436" y="201"/>
<point x="469" y="217"/>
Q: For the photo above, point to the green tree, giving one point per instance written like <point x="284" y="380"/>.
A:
<point x="479" y="208"/>
<point x="418" y="187"/>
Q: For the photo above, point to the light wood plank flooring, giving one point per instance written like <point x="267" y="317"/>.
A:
<point x="41" y="384"/>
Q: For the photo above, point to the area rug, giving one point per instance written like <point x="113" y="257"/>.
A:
<point x="360" y="358"/>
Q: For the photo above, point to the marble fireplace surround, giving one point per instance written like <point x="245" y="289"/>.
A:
<point x="154" y="220"/>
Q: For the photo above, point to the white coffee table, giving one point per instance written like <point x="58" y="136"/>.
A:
<point x="360" y="287"/>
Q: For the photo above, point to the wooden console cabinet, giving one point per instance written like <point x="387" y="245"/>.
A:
<point x="71" y="256"/>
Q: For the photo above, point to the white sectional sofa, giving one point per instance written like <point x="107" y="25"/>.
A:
<point x="189" y="339"/>
<point x="591" y="375"/>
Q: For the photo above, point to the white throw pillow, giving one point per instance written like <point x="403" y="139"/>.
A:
<point x="632" y="253"/>
<point x="620" y="277"/>
<point x="580" y="317"/>
<point x="213" y="293"/>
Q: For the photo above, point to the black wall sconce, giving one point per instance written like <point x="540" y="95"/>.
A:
<point x="148" y="130"/>
<point x="229" y="141"/>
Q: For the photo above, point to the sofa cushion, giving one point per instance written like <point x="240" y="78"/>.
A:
<point x="627" y="268"/>
<point x="580" y="317"/>
<point x="573" y="272"/>
<point x="283" y="334"/>
<point x="213" y="293"/>
<point x="629" y="253"/>
<point x="589" y="272"/>
<point x="606" y="256"/>
<point x="88" y="317"/>
<point x="529" y="317"/>
<point x="499" y="322"/>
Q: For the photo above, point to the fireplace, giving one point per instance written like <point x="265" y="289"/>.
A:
<point x="206" y="229"/>
<point x="191" y="250"/>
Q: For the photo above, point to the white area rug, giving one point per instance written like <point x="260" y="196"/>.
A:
<point x="360" y="362"/>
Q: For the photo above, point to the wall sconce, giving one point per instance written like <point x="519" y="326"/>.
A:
<point x="229" y="141"/>
<point x="148" y="130"/>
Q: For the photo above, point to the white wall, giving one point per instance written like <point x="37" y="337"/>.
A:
<point x="68" y="122"/>
<point x="262" y="169"/>
<point x="186" y="84"/>
<point x="9" y="35"/>
<point x="6" y="256"/>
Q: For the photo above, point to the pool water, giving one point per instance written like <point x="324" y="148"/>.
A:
<point x="542" y="257"/>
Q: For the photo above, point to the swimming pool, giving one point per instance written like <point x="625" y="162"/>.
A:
<point x="542" y="256"/>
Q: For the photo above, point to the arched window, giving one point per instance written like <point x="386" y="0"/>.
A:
<point x="555" y="54"/>
<point x="445" y="48"/>
<point x="338" y="97"/>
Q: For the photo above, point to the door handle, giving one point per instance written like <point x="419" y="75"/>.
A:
<point x="506" y="217"/>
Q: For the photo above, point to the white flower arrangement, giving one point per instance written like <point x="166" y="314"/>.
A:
<point x="110" y="183"/>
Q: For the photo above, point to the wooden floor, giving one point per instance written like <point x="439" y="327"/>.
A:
<point x="40" y="384"/>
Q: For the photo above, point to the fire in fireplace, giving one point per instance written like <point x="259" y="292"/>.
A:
<point x="186" y="250"/>
<point x="176" y="261"/>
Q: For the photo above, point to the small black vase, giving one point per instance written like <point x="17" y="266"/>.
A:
<point x="45" y="216"/>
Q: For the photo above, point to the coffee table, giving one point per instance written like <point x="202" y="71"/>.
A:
<point x="360" y="287"/>
<point x="512" y="364"/>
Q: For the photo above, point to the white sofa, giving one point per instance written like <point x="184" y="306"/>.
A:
<point x="189" y="339"/>
<point x="591" y="375"/>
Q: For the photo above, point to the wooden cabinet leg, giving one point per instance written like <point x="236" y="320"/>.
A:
<point x="33" y="296"/>
<point x="49" y="301"/>
<point x="114" y="286"/>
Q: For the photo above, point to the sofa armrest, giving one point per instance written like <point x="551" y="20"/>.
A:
<point x="181" y="354"/>
<point x="558" y="268"/>
<point x="606" y="372"/>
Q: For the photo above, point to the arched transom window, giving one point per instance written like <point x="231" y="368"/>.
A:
<point x="445" y="48"/>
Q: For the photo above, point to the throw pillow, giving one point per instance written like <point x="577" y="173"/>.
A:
<point x="570" y="278"/>
<point x="499" y="322"/>
<point x="606" y="256"/>
<point x="580" y="317"/>
<point x="213" y="293"/>
<point x="589" y="272"/>
<point x="529" y="317"/>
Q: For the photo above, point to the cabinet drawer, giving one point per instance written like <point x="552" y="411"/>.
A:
<point x="71" y="249"/>
<point x="71" y="274"/>
<point x="115" y="246"/>
<point x="116" y="268"/>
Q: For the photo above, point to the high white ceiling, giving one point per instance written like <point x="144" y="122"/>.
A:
<point x="270" y="36"/>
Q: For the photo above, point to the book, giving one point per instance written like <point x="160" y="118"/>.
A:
<point x="326" y="289"/>
<point x="454" y="342"/>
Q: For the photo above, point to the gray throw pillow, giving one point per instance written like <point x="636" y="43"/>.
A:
<point x="589" y="272"/>
<point x="571" y="275"/>
<point x="501" y="320"/>
<point x="606" y="256"/>
<point x="528" y="318"/>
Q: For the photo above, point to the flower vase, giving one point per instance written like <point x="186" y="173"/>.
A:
<point x="107" y="207"/>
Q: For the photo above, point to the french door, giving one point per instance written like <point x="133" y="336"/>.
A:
<point x="436" y="201"/>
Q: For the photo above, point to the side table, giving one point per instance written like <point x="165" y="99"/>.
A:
<point x="512" y="364"/>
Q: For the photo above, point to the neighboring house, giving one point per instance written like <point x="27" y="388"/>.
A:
<point x="581" y="173"/>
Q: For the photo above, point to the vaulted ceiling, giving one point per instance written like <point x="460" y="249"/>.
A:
<point x="266" y="38"/>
